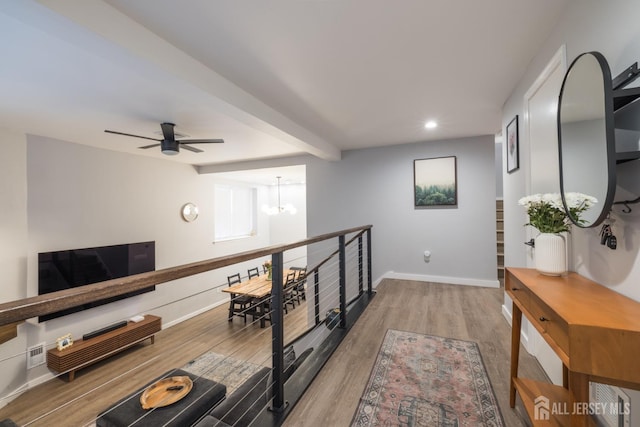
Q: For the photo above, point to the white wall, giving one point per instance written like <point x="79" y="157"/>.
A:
<point x="13" y="247"/>
<point x="80" y="196"/>
<point x="287" y="228"/>
<point x="610" y="28"/>
<point x="498" y="167"/>
<point x="13" y="213"/>
<point x="375" y="186"/>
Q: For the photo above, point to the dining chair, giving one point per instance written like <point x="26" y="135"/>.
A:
<point x="289" y="291"/>
<point x="253" y="272"/>
<point x="301" y="281"/>
<point x="239" y="305"/>
<point x="263" y="307"/>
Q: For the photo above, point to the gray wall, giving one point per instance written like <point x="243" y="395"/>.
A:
<point x="611" y="28"/>
<point x="375" y="186"/>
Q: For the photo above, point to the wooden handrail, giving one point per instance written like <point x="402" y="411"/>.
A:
<point x="27" y="308"/>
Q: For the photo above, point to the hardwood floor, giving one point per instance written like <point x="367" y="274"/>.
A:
<point x="462" y="312"/>
<point x="447" y="310"/>
<point x="95" y="388"/>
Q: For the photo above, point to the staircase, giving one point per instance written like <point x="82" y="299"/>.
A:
<point x="500" y="239"/>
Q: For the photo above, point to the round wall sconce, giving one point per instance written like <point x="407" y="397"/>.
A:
<point x="189" y="212"/>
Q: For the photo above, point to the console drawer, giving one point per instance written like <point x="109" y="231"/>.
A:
<point x="549" y="321"/>
<point x="519" y="294"/>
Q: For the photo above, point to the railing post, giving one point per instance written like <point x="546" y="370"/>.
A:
<point x="369" y="284"/>
<point x="360" y="269"/>
<point x="278" y="403"/>
<point x="343" y="282"/>
<point x="316" y="293"/>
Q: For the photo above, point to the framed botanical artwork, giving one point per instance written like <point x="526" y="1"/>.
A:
<point x="513" y="146"/>
<point x="435" y="182"/>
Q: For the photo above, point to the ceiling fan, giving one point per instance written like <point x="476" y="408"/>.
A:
<point x="169" y="144"/>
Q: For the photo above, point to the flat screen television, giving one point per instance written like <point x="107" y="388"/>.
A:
<point x="72" y="268"/>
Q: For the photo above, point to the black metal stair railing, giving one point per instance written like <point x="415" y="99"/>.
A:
<point x="279" y="403"/>
<point x="341" y="284"/>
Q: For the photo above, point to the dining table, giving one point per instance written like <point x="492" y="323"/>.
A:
<point x="259" y="288"/>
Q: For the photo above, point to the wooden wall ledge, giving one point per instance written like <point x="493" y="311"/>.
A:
<point x="17" y="311"/>
<point x="8" y="332"/>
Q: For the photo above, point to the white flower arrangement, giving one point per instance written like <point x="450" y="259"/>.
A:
<point x="547" y="213"/>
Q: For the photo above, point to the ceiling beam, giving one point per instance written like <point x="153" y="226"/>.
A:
<point x="110" y="24"/>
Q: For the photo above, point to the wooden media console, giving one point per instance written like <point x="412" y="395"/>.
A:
<point x="85" y="352"/>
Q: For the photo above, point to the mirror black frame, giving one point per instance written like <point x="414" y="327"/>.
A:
<point x="609" y="139"/>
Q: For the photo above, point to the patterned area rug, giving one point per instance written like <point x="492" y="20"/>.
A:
<point x="222" y="369"/>
<point x="424" y="380"/>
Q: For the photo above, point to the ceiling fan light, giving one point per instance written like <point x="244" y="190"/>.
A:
<point x="170" y="148"/>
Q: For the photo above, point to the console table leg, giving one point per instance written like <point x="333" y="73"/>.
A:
<point x="516" y="324"/>
<point x="579" y="399"/>
<point x="72" y="375"/>
<point x="565" y="376"/>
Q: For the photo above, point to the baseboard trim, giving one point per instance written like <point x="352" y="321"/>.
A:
<point x="440" y="279"/>
<point x="193" y="314"/>
<point x="5" y="400"/>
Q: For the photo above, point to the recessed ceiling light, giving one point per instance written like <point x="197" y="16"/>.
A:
<point x="431" y="124"/>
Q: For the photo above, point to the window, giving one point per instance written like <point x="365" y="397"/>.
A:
<point x="235" y="211"/>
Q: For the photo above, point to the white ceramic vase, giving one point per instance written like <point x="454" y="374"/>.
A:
<point x="551" y="254"/>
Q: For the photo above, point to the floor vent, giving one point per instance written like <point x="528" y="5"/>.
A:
<point x="35" y="355"/>
<point x="611" y="405"/>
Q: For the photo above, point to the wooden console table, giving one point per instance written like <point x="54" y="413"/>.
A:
<point x="83" y="353"/>
<point x="594" y="331"/>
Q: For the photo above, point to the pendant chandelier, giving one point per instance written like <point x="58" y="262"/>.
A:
<point x="276" y="210"/>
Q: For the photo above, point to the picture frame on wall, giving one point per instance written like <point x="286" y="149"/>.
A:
<point x="435" y="182"/>
<point x="513" y="145"/>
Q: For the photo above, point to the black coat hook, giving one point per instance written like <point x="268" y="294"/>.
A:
<point x="626" y="203"/>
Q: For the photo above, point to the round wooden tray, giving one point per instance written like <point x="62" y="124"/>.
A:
<point x="165" y="392"/>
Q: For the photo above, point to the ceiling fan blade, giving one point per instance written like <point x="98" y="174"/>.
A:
<point x="169" y="143"/>
<point x="167" y="131"/>
<point x="195" y="150"/>
<point x="135" y="136"/>
<point x="201" y="141"/>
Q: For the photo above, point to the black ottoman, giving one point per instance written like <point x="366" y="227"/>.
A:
<point x="204" y="395"/>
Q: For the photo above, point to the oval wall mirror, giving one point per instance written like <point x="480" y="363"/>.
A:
<point x="586" y="137"/>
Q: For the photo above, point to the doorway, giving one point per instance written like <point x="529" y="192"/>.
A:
<point x="541" y="131"/>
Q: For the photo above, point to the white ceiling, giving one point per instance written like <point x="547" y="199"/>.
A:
<point x="273" y="78"/>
